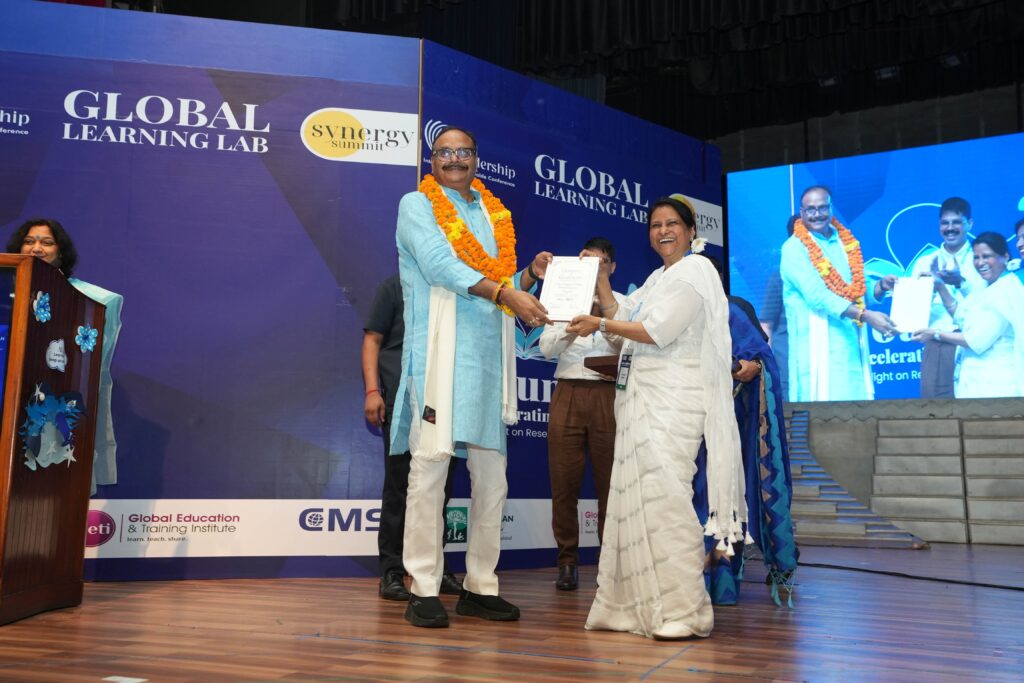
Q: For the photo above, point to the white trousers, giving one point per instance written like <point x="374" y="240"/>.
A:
<point x="422" y="552"/>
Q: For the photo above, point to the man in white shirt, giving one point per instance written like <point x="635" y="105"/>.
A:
<point x="581" y="423"/>
<point x="953" y="264"/>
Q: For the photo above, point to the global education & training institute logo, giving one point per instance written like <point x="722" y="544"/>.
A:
<point x="99" y="528"/>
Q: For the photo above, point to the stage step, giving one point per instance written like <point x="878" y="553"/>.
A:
<point x="829" y="527"/>
<point x="812" y="506"/>
<point x="805" y="491"/>
<point x="862" y="541"/>
<point x="816" y="477"/>
<point x="824" y="512"/>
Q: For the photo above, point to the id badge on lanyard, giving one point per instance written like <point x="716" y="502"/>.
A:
<point x="623" y="376"/>
<point x="626" y="360"/>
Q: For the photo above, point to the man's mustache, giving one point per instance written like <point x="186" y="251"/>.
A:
<point x="449" y="167"/>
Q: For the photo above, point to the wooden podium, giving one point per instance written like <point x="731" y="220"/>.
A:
<point x="606" y="365"/>
<point x="46" y="434"/>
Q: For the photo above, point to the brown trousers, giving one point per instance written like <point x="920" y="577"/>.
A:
<point x="581" y="423"/>
<point x="938" y="362"/>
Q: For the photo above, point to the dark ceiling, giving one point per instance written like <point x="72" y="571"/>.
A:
<point x="703" y="67"/>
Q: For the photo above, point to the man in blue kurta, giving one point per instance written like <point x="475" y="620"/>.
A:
<point x="457" y="390"/>
<point x="828" y="344"/>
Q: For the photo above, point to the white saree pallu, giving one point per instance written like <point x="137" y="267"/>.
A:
<point x="652" y="555"/>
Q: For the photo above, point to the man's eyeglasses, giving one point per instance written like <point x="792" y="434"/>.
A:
<point x="817" y="210"/>
<point x="447" y="153"/>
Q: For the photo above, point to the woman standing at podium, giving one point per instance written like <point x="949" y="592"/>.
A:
<point x="47" y="240"/>
<point x="674" y="387"/>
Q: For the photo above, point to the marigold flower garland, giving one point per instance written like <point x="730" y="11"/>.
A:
<point x="465" y="244"/>
<point x="851" y="291"/>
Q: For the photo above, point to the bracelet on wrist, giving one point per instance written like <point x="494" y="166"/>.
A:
<point x="370" y="391"/>
<point x="529" y="269"/>
<point x="496" y="296"/>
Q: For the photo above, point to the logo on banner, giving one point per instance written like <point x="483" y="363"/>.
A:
<point x="340" y="519"/>
<point x="486" y="170"/>
<point x="585" y="187"/>
<point x="160" y="121"/>
<point x="532" y="390"/>
<point x="431" y="131"/>
<point x="507" y="524"/>
<point x="13" y="117"/>
<point x="99" y="528"/>
<point x="456" y="524"/>
<point x="361" y="136"/>
<point x="708" y="216"/>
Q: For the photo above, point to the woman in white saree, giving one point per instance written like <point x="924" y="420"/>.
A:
<point x="675" y="388"/>
<point x="990" y="360"/>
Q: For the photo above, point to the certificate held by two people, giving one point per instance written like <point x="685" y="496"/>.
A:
<point x="569" y="287"/>
<point x="912" y="302"/>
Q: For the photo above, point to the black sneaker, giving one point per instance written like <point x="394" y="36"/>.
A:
<point x="450" y="584"/>
<point x="486" y="607"/>
<point x="392" y="587"/>
<point x="426" y="612"/>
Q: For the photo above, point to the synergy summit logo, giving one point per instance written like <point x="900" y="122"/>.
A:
<point x="361" y="136"/>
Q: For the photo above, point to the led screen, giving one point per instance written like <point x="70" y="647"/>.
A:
<point x="969" y="342"/>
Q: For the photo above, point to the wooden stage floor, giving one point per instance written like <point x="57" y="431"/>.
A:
<point x="849" y="624"/>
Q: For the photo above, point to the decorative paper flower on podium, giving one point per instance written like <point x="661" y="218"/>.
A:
<point x="86" y="338"/>
<point x="48" y="430"/>
<point x="41" y="307"/>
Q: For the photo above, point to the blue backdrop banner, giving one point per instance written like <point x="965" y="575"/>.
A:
<point x="239" y="185"/>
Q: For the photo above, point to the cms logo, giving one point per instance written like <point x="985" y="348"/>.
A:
<point x="340" y="519"/>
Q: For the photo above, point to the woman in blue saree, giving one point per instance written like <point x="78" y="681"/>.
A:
<point x="769" y="483"/>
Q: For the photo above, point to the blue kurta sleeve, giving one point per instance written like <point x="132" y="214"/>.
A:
<point x="419" y="235"/>
<point x="796" y="268"/>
